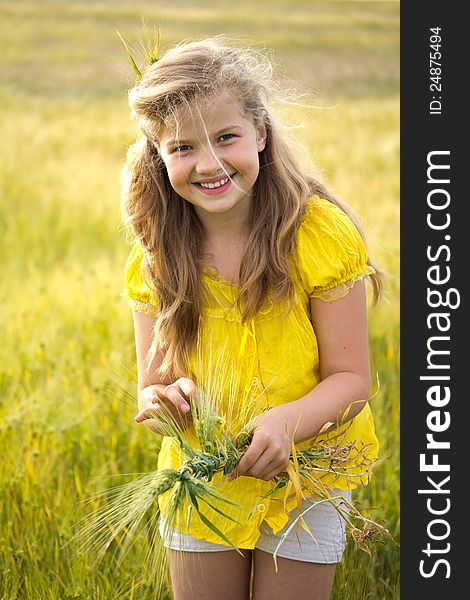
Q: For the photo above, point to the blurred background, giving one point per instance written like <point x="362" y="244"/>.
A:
<point x="67" y="364"/>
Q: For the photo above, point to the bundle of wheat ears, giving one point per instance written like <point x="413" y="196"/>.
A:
<point x="220" y="432"/>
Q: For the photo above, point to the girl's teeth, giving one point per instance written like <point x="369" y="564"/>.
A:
<point x="215" y="184"/>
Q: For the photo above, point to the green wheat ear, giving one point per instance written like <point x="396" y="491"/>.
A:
<point x="134" y="66"/>
<point x="153" y="53"/>
<point x="151" y="50"/>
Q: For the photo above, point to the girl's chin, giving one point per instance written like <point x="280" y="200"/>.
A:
<point x="222" y="205"/>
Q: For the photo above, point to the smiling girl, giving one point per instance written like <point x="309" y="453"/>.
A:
<point x="238" y="253"/>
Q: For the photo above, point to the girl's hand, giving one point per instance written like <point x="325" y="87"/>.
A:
<point x="269" y="451"/>
<point x="175" y="397"/>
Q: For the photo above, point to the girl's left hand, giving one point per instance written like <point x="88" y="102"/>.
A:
<point x="269" y="451"/>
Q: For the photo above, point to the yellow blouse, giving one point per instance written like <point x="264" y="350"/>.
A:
<point x="271" y="360"/>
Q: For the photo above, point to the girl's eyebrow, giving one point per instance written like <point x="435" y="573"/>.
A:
<point x="181" y="142"/>
<point x="231" y="127"/>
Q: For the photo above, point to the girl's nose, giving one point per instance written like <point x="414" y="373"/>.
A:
<point x="207" y="162"/>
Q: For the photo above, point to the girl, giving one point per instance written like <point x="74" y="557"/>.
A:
<point x="245" y="264"/>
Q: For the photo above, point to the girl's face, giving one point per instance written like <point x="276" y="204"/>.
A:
<point x="211" y="156"/>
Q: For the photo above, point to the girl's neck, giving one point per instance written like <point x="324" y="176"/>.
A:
<point x="224" y="247"/>
<point x="224" y="228"/>
<point x="224" y="240"/>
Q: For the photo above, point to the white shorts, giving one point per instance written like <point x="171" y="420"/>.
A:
<point x="323" y="520"/>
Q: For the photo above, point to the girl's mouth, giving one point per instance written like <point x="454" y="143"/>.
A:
<point x="216" y="187"/>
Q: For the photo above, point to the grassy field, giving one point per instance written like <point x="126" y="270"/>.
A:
<point x="67" y="365"/>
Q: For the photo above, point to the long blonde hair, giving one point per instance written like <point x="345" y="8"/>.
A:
<point x="154" y="212"/>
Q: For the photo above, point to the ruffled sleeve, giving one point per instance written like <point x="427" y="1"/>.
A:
<point x="331" y="253"/>
<point x="137" y="293"/>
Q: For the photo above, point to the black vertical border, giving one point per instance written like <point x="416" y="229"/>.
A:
<point x="421" y="133"/>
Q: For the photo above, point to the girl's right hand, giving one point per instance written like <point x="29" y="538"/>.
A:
<point x="175" y="397"/>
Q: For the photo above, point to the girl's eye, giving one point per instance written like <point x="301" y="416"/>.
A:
<point x="182" y="148"/>
<point x="226" y="136"/>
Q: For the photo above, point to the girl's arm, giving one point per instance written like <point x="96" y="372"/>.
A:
<point x="341" y="331"/>
<point x="152" y="390"/>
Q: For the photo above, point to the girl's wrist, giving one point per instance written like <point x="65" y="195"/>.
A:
<point x="301" y="424"/>
<point x="288" y="416"/>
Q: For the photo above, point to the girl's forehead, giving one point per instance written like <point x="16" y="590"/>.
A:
<point x="204" y="116"/>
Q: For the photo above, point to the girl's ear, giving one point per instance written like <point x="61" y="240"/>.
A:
<point x="261" y="136"/>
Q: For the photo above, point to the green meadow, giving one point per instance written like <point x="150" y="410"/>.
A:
<point x="67" y="362"/>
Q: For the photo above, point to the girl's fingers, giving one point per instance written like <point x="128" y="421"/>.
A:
<point x="179" y="393"/>
<point x="152" y="394"/>
<point x="248" y="460"/>
<point x="270" y="474"/>
<point x="173" y="394"/>
<point x="263" y="459"/>
<point x="264" y="464"/>
<point x="270" y="470"/>
<point x="266" y="473"/>
<point x="187" y="386"/>
<point x="265" y="469"/>
<point x="159" y="397"/>
<point x="146" y="413"/>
